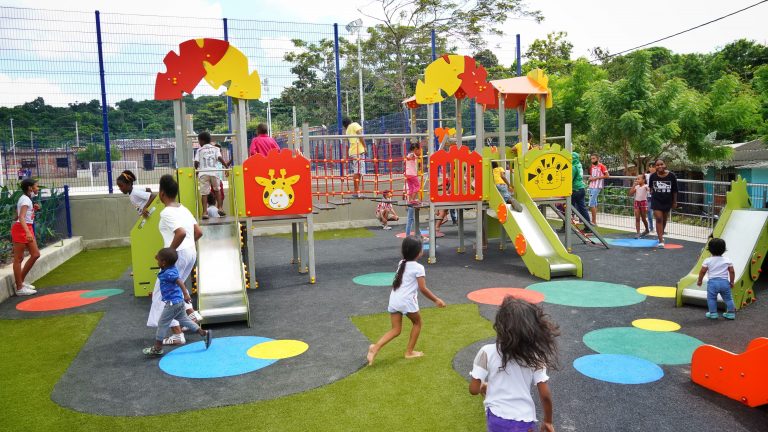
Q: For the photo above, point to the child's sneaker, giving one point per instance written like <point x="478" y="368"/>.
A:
<point x="24" y="291"/>
<point x="150" y="351"/>
<point x="660" y="245"/>
<point x="195" y="316"/>
<point x="711" y="315"/>
<point x="28" y="285"/>
<point x="386" y="227"/>
<point x="729" y="315"/>
<point x="175" y="339"/>
<point x="645" y="233"/>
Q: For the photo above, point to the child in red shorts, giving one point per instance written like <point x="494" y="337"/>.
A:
<point x="640" y="191"/>
<point x="23" y="237"/>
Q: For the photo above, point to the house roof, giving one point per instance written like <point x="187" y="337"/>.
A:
<point x="748" y="154"/>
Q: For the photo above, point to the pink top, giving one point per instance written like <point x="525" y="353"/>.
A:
<point x="411" y="168"/>
<point x="262" y="144"/>
<point x="641" y="193"/>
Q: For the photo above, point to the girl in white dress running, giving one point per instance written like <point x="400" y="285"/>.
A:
<point x="403" y="299"/>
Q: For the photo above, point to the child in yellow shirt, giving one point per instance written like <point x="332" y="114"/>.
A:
<point x="500" y="180"/>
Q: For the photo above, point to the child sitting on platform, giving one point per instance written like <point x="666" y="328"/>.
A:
<point x="385" y="212"/>
<point x="174" y="295"/>
<point x="213" y="211"/>
<point x="500" y="179"/>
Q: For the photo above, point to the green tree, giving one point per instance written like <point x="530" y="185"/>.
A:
<point x="552" y="54"/>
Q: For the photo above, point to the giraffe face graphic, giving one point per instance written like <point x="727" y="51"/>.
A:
<point x="278" y="193"/>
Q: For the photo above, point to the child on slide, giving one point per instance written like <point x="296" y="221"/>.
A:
<point x="500" y="179"/>
<point x="403" y="299"/>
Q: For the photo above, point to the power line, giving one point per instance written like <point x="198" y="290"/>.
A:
<point x="679" y="33"/>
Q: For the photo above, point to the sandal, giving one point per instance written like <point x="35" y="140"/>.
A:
<point x="151" y="351"/>
<point x="222" y="214"/>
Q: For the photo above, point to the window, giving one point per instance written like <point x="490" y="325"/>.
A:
<point x="163" y="159"/>
<point x="62" y="162"/>
<point x="28" y="163"/>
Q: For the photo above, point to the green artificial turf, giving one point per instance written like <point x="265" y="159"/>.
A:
<point x="89" y="266"/>
<point x="336" y="234"/>
<point x="420" y="395"/>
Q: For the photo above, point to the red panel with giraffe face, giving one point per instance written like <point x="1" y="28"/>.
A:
<point x="277" y="185"/>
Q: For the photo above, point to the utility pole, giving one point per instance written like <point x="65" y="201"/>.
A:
<point x="355" y="27"/>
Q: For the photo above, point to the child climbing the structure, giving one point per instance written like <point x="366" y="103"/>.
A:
<point x="174" y="295"/>
<point x="640" y="191"/>
<point x="140" y="199"/>
<point x="500" y="179"/>
<point x="413" y="185"/>
<point x="384" y="211"/>
<point x="403" y="299"/>
<point x="720" y="279"/>
<point x="503" y="372"/>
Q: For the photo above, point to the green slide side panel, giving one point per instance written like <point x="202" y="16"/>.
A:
<point x="145" y="242"/>
<point x="537" y="265"/>
<point x="237" y="191"/>
<point x="188" y="196"/>
<point x="743" y="293"/>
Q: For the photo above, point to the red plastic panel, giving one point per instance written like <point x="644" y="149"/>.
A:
<point x="185" y="70"/>
<point x="463" y="178"/>
<point x="276" y="185"/>
<point x="742" y="377"/>
<point x="474" y="83"/>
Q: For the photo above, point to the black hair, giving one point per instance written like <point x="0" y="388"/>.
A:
<point x="414" y="146"/>
<point x="211" y="199"/>
<point x="716" y="246"/>
<point x="168" y="255"/>
<point x="262" y="129"/>
<point x="525" y="335"/>
<point x="168" y="186"/>
<point x="346" y="122"/>
<point x="494" y="164"/>
<point x="204" y="137"/>
<point x="410" y="249"/>
<point x="27" y="184"/>
<point x="126" y="177"/>
<point x="657" y="161"/>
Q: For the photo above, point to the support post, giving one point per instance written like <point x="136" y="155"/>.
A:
<point x="542" y="120"/>
<point x="295" y="242"/>
<point x="67" y="209"/>
<point x="338" y="78"/>
<point x="461" y="231"/>
<point x="502" y="128"/>
<point x="229" y="99"/>
<point x="240" y="147"/>
<point x="311" y="247"/>
<point x="458" y="122"/>
<point x="183" y="154"/>
<point x="104" y="107"/>
<point x="479" y="237"/>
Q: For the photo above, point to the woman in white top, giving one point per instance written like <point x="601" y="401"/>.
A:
<point x="180" y="231"/>
<point x="140" y="199"/>
<point x="403" y="299"/>
<point x="505" y="371"/>
<point x="23" y="236"/>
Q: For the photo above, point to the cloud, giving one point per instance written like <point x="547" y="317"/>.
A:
<point x="17" y="91"/>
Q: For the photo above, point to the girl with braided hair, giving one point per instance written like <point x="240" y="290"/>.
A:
<point x="140" y="199"/>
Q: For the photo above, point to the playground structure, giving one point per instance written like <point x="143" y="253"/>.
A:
<point x="258" y="189"/>
<point x="745" y="231"/>
<point x="742" y="377"/>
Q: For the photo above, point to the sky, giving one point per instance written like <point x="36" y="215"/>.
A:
<point x="63" y="66"/>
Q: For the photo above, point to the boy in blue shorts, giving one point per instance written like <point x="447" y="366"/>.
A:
<point x="174" y="294"/>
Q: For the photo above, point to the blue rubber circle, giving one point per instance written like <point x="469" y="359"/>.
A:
<point x="225" y="357"/>
<point x="633" y="243"/>
<point x="618" y="368"/>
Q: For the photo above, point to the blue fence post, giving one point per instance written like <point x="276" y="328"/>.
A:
<point x="229" y="99"/>
<point x="436" y="108"/>
<point x="518" y="58"/>
<point x="338" y="77"/>
<point x="67" y="209"/>
<point x="104" y="107"/>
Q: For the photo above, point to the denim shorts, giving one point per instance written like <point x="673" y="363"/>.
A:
<point x="593" y="193"/>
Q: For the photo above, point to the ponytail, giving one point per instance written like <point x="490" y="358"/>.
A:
<point x="399" y="275"/>
<point x="127" y="177"/>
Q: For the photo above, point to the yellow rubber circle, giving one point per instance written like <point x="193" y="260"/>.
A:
<point x="277" y="349"/>
<point x="657" y="325"/>
<point x="658" y="291"/>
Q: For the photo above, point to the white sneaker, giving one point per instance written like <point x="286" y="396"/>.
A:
<point x="386" y="227"/>
<point x="24" y="291"/>
<point x="195" y="316"/>
<point x="28" y="285"/>
<point x="660" y="245"/>
<point x="175" y="339"/>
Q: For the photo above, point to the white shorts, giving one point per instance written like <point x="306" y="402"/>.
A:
<point x="207" y="182"/>
<point x="184" y="265"/>
<point x="404" y="306"/>
<point x="357" y="164"/>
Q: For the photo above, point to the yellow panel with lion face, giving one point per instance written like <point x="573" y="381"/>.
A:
<point x="547" y="172"/>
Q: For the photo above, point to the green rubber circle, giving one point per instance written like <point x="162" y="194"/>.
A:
<point x="375" y="279"/>
<point x="583" y="293"/>
<point x="107" y="292"/>
<point x="672" y="348"/>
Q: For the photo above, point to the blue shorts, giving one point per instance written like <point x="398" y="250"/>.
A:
<point x="593" y="193"/>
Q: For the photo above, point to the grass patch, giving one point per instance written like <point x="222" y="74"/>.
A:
<point x="89" y="266"/>
<point x="424" y="394"/>
<point x="336" y="234"/>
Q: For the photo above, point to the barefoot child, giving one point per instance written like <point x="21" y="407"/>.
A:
<point x="23" y="237"/>
<point x="403" y="299"/>
<point x="174" y="295"/>
<point x="504" y="372"/>
<point x="640" y="190"/>
<point x="140" y="199"/>
<point x="384" y="211"/>
<point x="720" y="279"/>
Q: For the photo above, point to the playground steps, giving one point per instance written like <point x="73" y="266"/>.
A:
<point x="742" y="377"/>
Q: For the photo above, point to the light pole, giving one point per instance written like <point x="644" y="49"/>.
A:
<point x="265" y="87"/>
<point x="355" y="27"/>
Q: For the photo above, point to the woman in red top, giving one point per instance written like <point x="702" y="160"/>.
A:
<point x="262" y="143"/>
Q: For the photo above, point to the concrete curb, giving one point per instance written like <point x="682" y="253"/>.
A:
<point x="50" y="257"/>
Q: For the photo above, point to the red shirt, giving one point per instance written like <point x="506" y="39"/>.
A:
<point x="262" y="145"/>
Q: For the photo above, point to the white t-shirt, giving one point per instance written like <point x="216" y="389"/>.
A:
<point x="173" y="218"/>
<point x="717" y="267"/>
<point x="641" y="193"/>
<point x="139" y="198"/>
<point x="213" y="211"/>
<point x="509" y="390"/>
<point x="29" y="217"/>
<point x="207" y="156"/>
<point x="405" y="298"/>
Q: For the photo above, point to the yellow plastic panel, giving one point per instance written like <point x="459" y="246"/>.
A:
<point x="233" y="67"/>
<point x="547" y="172"/>
<point x="441" y="74"/>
